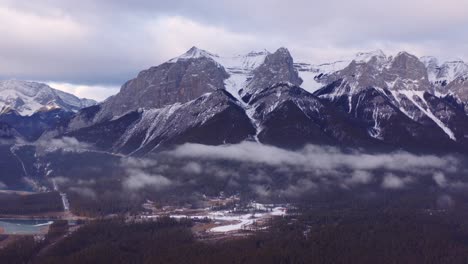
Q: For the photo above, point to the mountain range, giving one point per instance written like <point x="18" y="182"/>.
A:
<point x="370" y="100"/>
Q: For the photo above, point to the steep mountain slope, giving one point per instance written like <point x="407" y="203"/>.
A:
<point x="315" y="76"/>
<point x="277" y="67"/>
<point x="371" y="101"/>
<point x="30" y="108"/>
<point x="240" y="69"/>
<point x="449" y="78"/>
<point x="177" y="81"/>
<point x="27" y="98"/>
<point x="288" y="116"/>
<point x="214" y="118"/>
<point x="443" y="74"/>
<point x="392" y="95"/>
<point x="32" y="127"/>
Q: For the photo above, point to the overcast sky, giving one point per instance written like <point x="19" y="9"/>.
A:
<point x="91" y="47"/>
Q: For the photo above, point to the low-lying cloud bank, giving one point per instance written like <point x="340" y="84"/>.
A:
<point x="316" y="157"/>
<point x="140" y="175"/>
<point x="316" y="167"/>
<point x="69" y="144"/>
<point x="269" y="172"/>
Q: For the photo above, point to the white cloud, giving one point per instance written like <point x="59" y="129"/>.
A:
<point x="96" y="92"/>
<point x="181" y="33"/>
<point x="139" y="179"/>
<point x="360" y="177"/>
<point x="193" y="168"/>
<point x="65" y="143"/>
<point x="440" y="179"/>
<point x="391" y="181"/>
<point x="315" y="157"/>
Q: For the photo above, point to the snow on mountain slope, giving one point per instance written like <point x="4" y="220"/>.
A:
<point x="26" y="98"/>
<point x="369" y="99"/>
<point x="213" y="118"/>
<point x="311" y="74"/>
<point x="314" y="75"/>
<point x="239" y="67"/>
<point x="443" y="74"/>
<point x="400" y="81"/>
<point x="193" y="53"/>
<point x="417" y="98"/>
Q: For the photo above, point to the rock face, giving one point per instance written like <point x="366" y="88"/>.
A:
<point x="177" y="81"/>
<point x="459" y="88"/>
<point x="443" y="74"/>
<point x="215" y="118"/>
<point x="450" y="77"/>
<point x="288" y="116"/>
<point x="27" y="98"/>
<point x="393" y="97"/>
<point x="277" y="68"/>
<point x="372" y="100"/>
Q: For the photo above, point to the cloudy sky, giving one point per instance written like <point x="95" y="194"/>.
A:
<point x="91" y="47"/>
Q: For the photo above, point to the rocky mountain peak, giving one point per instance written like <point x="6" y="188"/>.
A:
<point x="179" y="80"/>
<point x="406" y="71"/>
<point x="278" y="67"/>
<point x="194" y="53"/>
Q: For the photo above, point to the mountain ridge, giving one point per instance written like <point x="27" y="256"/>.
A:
<point x="27" y="98"/>
<point x="374" y="99"/>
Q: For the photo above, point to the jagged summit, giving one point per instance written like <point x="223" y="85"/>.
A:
<point x="369" y="98"/>
<point x="278" y="67"/>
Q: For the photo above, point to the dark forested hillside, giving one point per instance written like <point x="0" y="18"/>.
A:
<point x="393" y="236"/>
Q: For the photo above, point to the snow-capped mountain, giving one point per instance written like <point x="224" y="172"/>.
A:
<point x="315" y="76"/>
<point x="27" y="98"/>
<point x="380" y="89"/>
<point x="443" y="74"/>
<point x="370" y="100"/>
<point x="448" y="78"/>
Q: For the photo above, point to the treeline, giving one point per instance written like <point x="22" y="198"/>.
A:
<point x="16" y="204"/>
<point x="396" y="236"/>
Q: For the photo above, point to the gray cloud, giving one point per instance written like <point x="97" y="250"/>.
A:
<point x="440" y="179"/>
<point x="193" y="168"/>
<point x="360" y="177"/>
<point x="107" y="42"/>
<point x="271" y="171"/>
<point x="316" y="158"/>
<point x="391" y="181"/>
<point x="138" y="176"/>
<point x="139" y="179"/>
